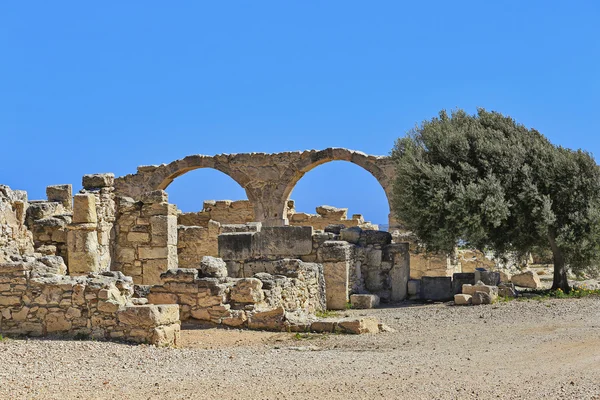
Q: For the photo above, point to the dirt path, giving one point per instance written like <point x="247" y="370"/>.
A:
<point x="513" y="350"/>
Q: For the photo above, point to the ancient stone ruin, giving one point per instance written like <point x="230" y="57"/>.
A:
<point x="118" y="261"/>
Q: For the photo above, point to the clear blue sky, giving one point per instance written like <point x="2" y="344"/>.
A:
<point x="107" y="86"/>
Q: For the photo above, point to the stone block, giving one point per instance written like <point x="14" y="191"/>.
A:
<point x="460" y="279"/>
<point x="155" y="196"/>
<point x="334" y="251"/>
<point x="351" y="235"/>
<point x="212" y="267"/>
<point x="527" y="279"/>
<point x="400" y="272"/>
<point x="149" y="315"/>
<point x="236" y="246"/>
<point x="84" y="209"/>
<point x="490" y="278"/>
<point x="481" y="298"/>
<point x="283" y="241"/>
<point x="336" y="284"/>
<point x="480" y="287"/>
<point x="150" y="253"/>
<point x="82" y="253"/>
<point x="247" y="290"/>
<point x="373" y="237"/>
<point x="359" y="325"/>
<point x="268" y="320"/>
<point x="96" y="181"/>
<point x="61" y="194"/>
<point x="436" y="288"/>
<point x="179" y="275"/>
<point x="364" y="301"/>
<point x="462" y="299"/>
<point x="166" y="335"/>
<point x="324" y="326"/>
<point x="414" y="288"/>
<point x="507" y="290"/>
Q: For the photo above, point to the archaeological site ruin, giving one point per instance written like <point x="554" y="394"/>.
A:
<point x="118" y="261"/>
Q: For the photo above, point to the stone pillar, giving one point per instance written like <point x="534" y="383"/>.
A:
<point x="82" y="236"/>
<point x="146" y="237"/>
<point x="398" y="254"/>
<point x="61" y="194"/>
<point x="336" y="257"/>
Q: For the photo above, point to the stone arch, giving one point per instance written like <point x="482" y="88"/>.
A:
<point x="157" y="177"/>
<point x="381" y="168"/>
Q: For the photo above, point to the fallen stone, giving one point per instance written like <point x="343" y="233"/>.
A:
<point x="359" y="325"/>
<point x="462" y="299"/>
<point x="364" y="301"/>
<point x="481" y="298"/>
<point x="527" y="279"/>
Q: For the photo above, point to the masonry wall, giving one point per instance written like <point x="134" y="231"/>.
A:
<point x="37" y="300"/>
<point x="354" y="261"/>
<point x="145" y="237"/>
<point x="326" y="216"/>
<point x="15" y="238"/>
<point x="284" y="299"/>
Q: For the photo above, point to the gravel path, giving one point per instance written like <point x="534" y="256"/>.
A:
<point x="516" y="350"/>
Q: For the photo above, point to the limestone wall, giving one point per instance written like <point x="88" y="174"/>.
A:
<point x="326" y="216"/>
<point x="285" y="299"/>
<point x="145" y="237"/>
<point x="15" y="238"/>
<point x="354" y="261"/>
<point x="222" y="211"/>
<point x="36" y="300"/>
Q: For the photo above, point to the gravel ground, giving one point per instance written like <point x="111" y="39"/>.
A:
<point x="516" y="350"/>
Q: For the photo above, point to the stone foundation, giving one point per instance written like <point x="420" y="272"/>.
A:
<point x="35" y="300"/>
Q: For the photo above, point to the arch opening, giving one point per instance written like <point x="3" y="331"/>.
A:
<point x="355" y="197"/>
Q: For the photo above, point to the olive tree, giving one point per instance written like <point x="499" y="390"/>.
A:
<point x="491" y="183"/>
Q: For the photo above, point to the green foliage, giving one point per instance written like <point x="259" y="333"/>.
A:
<point x="485" y="181"/>
<point x="2" y="338"/>
<point x="326" y="314"/>
<point x="576" y="293"/>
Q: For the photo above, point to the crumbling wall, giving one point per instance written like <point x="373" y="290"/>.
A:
<point x="326" y="216"/>
<point x="145" y="237"/>
<point x="222" y="211"/>
<point x="102" y="187"/>
<point x="286" y="298"/>
<point x="354" y="261"/>
<point x="15" y="238"/>
<point x="195" y="242"/>
<point x="37" y="300"/>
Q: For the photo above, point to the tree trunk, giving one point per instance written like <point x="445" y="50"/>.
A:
<point x="560" y="280"/>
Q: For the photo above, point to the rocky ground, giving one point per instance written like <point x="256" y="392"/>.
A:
<point x="513" y="350"/>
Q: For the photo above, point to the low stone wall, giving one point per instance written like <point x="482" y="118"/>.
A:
<point x="284" y="299"/>
<point x="222" y="211"/>
<point x="36" y="300"/>
<point x="146" y="237"/>
<point x="326" y="216"/>
<point x="354" y="261"/>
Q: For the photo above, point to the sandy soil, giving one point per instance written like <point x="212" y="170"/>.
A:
<point x="517" y="350"/>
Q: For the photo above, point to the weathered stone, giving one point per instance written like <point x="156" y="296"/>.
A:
<point x="481" y="298"/>
<point x="436" y="288"/>
<point x="283" y="241"/>
<point x="149" y="315"/>
<point x="162" y="298"/>
<point x="400" y="272"/>
<point x="414" y="288"/>
<point x="96" y="181"/>
<point x="507" y="290"/>
<point x="62" y="194"/>
<point x="267" y="320"/>
<point x="462" y="299"/>
<point x="351" y="235"/>
<point x="460" y="279"/>
<point x="84" y="209"/>
<point x="527" y="279"/>
<point x="359" y="325"/>
<point x="155" y="196"/>
<point x="247" y="290"/>
<point x="490" y="278"/>
<point x="364" y="301"/>
<point x="236" y="246"/>
<point x="212" y="267"/>
<point x="179" y="275"/>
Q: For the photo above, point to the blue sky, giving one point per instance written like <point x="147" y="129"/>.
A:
<point x="107" y="86"/>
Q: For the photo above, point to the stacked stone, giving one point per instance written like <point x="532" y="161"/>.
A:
<point x="15" y="238"/>
<point x="146" y="237"/>
<point x="48" y="220"/>
<point x="82" y="237"/>
<point x="264" y="301"/>
<point x="101" y="186"/>
<point x="325" y="216"/>
<point x="36" y="301"/>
